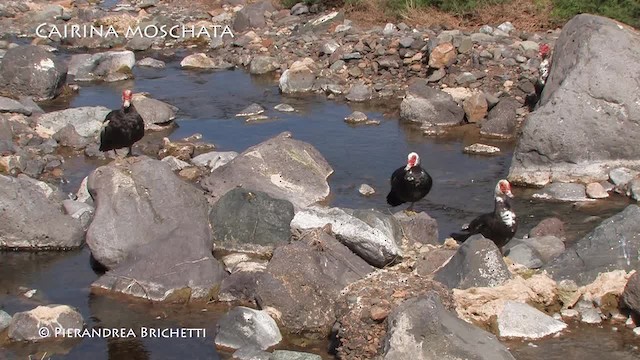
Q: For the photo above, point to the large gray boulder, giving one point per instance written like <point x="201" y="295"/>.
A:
<point x="32" y="220"/>
<point x="154" y="112"/>
<point x="245" y="327"/>
<point x="520" y="320"/>
<point x="588" y="117"/>
<point x="612" y="245"/>
<point x="108" y="65"/>
<point x="281" y="166"/>
<point x="45" y="323"/>
<point x="372" y="235"/>
<point x="87" y="120"/>
<point x="31" y="70"/>
<point x="304" y="278"/>
<point x="140" y="201"/>
<point x="429" y="106"/>
<point x="252" y="16"/>
<point x="477" y="263"/>
<point x="249" y="220"/>
<point x="423" y="329"/>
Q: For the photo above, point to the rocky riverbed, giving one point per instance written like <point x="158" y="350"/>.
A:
<point x="184" y="222"/>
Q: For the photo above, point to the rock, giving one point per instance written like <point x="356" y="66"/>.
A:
<point x="529" y="46"/>
<point x="99" y="66"/>
<point x="419" y="228"/>
<point x="289" y="169"/>
<point x="596" y="191"/>
<point x="142" y="202"/>
<point x="322" y="23"/>
<point x="547" y="247"/>
<point x="610" y="246"/>
<point x="299" y="77"/>
<point x="299" y="9"/>
<point x="175" y="163"/>
<point x="249" y="220"/>
<point x="12" y="106"/>
<point x="359" y="92"/>
<point x="5" y="320"/>
<point x="562" y="192"/>
<point x="139" y="43"/>
<point x="154" y="112"/>
<point x="465" y="78"/>
<point x="181" y="150"/>
<point x="481" y="149"/>
<point x="436" y="76"/>
<point x="372" y="235"/>
<point x="263" y="64"/>
<point x="421" y="328"/>
<point x="475" y="107"/>
<point x="550" y="226"/>
<point x="30" y="70"/>
<point x="501" y="120"/>
<point x="151" y="62"/>
<point x="459" y="94"/>
<point x="87" y="121"/>
<point x="430" y="262"/>
<point x="202" y="61"/>
<point x="214" y="159"/>
<point x="293" y="355"/>
<point x="631" y="294"/>
<point x="30" y="105"/>
<point x="28" y="325"/>
<point x="356" y="117"/>
<point x="523" y="254"/>
<point x="574" y="114"/>
<point x="428" y="106"/>
<point x="68" y="136"/>
<point x="251" y="110"/>
<point x="622" y="176"/>
<point x="330" y="47"/>
<point x="79" y="210"/>
<point x="252" y="16"/>
<point x="284" y="108"/>
<point x="519" y="320"/>
<point x="477" y="263"/>
<point x="32" y="220"/>
<point x="507" y="27"/>
<point x="366" y="190"/>
<point x="244" y="327"/>
<point x="251" y="353"/>
<point x="304" y="278"/>
<point x="442" y="56"/>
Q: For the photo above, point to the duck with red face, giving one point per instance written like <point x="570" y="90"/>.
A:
<point x="545" y="66"/>
<point x="409" y="183"/>
<point x="122" y="127"/>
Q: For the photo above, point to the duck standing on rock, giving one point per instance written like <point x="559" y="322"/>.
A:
<point x="545" y="66"/>
<point x="409" y="183"/>
<point x="500" y="225"/>
<point x="123" y="127"/>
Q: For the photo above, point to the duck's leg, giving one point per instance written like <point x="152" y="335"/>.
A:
<point x="130" y="152"/>
<point x="409" y="210"/>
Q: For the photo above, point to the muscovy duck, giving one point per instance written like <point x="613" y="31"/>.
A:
<point x="409" y="183"/>
<point x="545" y="66"/>
<point x="122" y="127"/>
<point x="500" y="225"/>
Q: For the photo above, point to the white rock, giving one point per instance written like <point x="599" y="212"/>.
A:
<point x="524" y="321"/>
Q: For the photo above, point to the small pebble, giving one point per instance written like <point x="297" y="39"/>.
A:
<point x="366" y="190"/>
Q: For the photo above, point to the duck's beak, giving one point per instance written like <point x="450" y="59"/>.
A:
<point x="509" y="193"/>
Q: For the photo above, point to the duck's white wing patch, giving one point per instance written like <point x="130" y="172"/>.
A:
<point x="508" y="217"/>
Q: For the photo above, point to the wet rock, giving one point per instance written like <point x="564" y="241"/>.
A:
<point x="87" y="121"/>
<point x="289" y="169"/>
<point x="519" y="320"/>
<point x="214" y="159"/>
<point x="550" y="226"/>
<point x="428" y="106"/>
<point x="28" y="325"/>
<point x="356" y="117"/>
<point x="421" y="328"/>
<point x="481" y="149"/>
<point x="477" y="263"/>
<point x="501" y="120"/>
<point x="596" y="191"/>
<point x="251" y="110"/>
<point x="101" y="66"/>
<point x="304" y="278"/>
<point x="249" y="220"/>
<point x="284" y="108"/>
<point x="154" y="112"/>
<point x="203" y="61"/>
<point x="32" y="220"/>
<point x="13" y="106"/>
<point x="252" y="16"/>
<point x="622" y="176"/>
<point x="631" y="294"/>
<point x="30" y="70"/>
<point x="608" y="247"/>
<point x="475" y="107"/>
<point x="263" y="64"/>
<point x="359" y="92"/>
<point x="419" y="228"/>
<point x="5" y="320"/>
<point x="245" y="327"/>
<point x="322" y="23"/>
<point x="299" y="77"/>
<point x="372" y="235"/>
<point x="562" y="192"/>
<point x="366" y="190"/>
<point x="574" y="114"/>
<point x="141" y="201"/>
<point x="442" y="56"/>
<point x="151" y="62"/>
<point x="293" y="355"/>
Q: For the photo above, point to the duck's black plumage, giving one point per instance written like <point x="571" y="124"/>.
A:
<point x="409" y="185"/>
<point x="500" y="225"/>
<point x="122" y="127"/>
